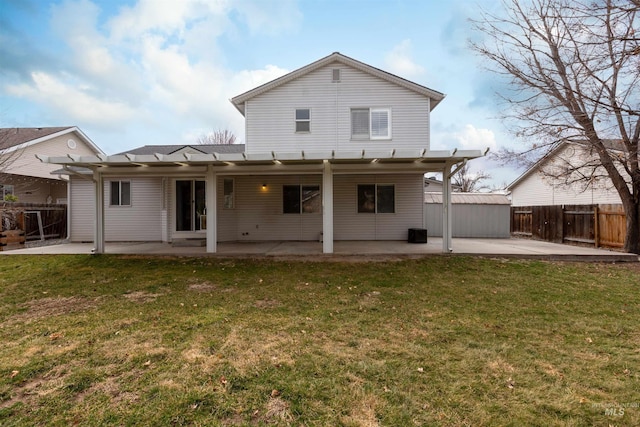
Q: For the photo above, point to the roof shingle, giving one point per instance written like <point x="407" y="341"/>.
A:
<point x="10" y="137"/>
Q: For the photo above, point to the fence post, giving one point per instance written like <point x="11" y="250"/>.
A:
<point x="596" y="225"/>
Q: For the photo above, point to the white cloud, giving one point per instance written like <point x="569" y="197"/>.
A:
<point x="269" y="16"/>
<point x="472" y="138"/>
<point x="69" y="101"/>
<point x="156" y="61"/>
<point x="400" y="62"/>
<point x="93" y="58"/>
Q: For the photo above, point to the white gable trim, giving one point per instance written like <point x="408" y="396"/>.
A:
<point x="433" y="95"/>
<point x="75" y="129"/>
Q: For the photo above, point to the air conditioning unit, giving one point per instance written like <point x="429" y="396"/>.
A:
<point x="417" y="235"/>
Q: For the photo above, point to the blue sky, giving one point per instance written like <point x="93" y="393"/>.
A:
<point x="137" y="72"/>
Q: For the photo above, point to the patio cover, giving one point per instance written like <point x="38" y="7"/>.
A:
<point x="327" y="163"/>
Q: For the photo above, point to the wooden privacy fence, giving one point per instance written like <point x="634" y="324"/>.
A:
<point x="599" y="225"/>
<point x="32" y="222"/>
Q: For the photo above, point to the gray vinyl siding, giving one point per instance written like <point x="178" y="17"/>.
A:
<point x="270" y="123"/>
<point x="82" y="208"/>
<point x="142" y="220"/>
<point x="258" y="213"/>
<point x="351" y="225"/>
<point x="139" y="222"/>
<point x="469" y="220"/>
<point x="227" y="218"/>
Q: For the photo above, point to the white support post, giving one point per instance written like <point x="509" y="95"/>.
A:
<point x="212" y="209"/>
<point x="98" y="234"/>
<point x="327" y="208"/>
<point x="69" y="202"/>
<point x="446" y="210"/>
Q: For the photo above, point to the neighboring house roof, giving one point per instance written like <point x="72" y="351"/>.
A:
<point x="610" y="144"/>
<point x="170" y="149"/>
<point x="428" y="181"/>
<point x="469" y="198"/>
<point x="12" y="139"/>
<point x="435" y="96"/>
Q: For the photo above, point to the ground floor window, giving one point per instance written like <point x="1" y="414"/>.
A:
<point x="6" y="190"/>
<point x="297" y="199"/>
<point x="120" y="193"/>
<point x="229" y="202"/>
<point x="376" y="198"/>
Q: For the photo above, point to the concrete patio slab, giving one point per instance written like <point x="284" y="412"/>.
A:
<point x="520" y="248"/>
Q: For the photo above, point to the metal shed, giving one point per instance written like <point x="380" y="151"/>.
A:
<point x="478" y="215"/>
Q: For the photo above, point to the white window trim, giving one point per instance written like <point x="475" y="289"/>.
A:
<point x="375" y="199"/>
<point x="378" y="110"/>
<point x="120" y="181"/>
<point x="296" y="120"/>
<point x="371" y="136"/>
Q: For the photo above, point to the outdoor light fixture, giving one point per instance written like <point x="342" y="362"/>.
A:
<point x="264" y="187"/>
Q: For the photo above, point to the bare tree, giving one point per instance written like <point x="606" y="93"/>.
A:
<point x="8" y="155"/>
<point x="465" y="181"/>
<point x="217" y="137"/>
<point x="574" y="73"/>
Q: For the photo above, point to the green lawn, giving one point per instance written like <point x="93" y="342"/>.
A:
<point x="122" y="340"/>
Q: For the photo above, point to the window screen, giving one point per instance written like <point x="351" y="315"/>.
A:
<point x="360" y="123"/>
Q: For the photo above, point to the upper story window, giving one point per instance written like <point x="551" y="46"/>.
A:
<point x="303" y="120"/>
<point x="120" y="193"/>
<point x="371" y="123"/>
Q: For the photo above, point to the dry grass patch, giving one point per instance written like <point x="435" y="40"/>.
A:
<point x="43" y="308"/>
<point x="204" y="287"/>
<point x="277" y="410"/>
<point x="246" y="349"/>
<point x="266" y="303"/>
<point x="142" y="297"/>
<point x="363" y="411"/>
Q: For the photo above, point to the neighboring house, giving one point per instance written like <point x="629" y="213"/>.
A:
<point x="434" y="185"/>
<point x="538" y="186"/>
<point x="22" y="175"/>
<point x="336" y="150"/>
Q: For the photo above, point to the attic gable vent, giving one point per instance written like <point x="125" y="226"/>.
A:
<point x="336" y="75"/>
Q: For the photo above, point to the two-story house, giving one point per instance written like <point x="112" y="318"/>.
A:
<point x="336" y="150"/>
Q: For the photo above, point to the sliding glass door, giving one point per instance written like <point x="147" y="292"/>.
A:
<point x="190" y="205"/>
